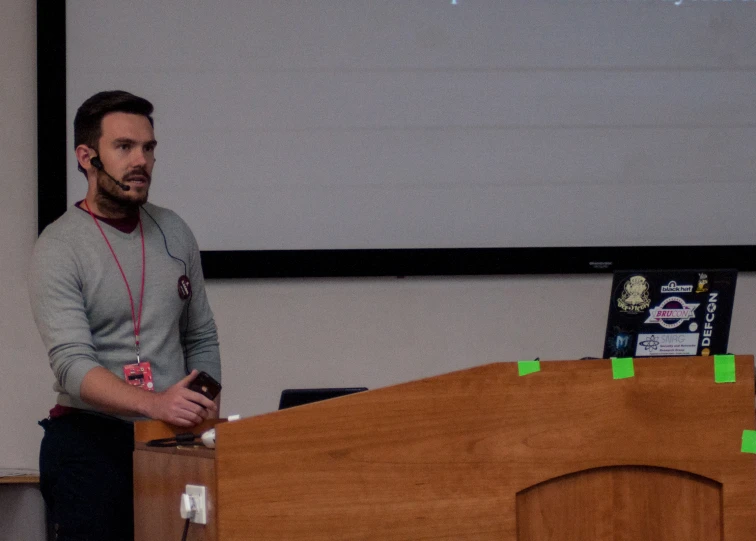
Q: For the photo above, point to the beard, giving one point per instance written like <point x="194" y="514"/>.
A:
<point x="113" y="199"/>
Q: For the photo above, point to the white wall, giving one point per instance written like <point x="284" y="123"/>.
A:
<point x="277" y="334"/>
<point x="25" y="390"/>
<point x="24" y="377"/>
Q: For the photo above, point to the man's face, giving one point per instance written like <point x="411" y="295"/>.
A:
<point x="127" y="152"/>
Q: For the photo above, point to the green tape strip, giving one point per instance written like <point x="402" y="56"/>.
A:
<point x="749" y="442"/>
<point x="724" y="368"/>
<point x="622" y="367"/>
<point x="528" y="367"/>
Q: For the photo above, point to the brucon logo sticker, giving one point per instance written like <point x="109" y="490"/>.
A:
<point x="672" y="312"/>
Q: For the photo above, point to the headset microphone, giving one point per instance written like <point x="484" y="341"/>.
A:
<point x="97" y="164"/>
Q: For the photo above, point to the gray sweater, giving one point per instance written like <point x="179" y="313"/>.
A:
<point x="82" y="310"/>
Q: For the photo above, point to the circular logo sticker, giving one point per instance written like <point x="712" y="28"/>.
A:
<point x="634" y="298"/>
<point x="184" y="287"/>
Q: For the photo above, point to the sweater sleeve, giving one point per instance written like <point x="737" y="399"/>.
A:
<point x="198" y="329"/>
<point x="55" y="292"/>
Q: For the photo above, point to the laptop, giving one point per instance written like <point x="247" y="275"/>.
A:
<point x="666" y="313"/>
<point x="299" y="397"/>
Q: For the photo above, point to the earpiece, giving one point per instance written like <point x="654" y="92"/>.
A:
<point x="97" y="164"/>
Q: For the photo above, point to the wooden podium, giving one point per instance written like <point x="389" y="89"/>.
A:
<point x="566" y="453"/>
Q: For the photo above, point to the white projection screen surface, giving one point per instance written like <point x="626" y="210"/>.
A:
<point x="422" y="125"/>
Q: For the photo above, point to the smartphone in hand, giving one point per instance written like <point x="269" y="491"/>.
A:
<point x="206" y="385"/>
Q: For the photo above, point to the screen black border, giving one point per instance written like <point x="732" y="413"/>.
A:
<point x="52" y="195"/>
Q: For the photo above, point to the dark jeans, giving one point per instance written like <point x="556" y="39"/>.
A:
<point x="86" y="476"/>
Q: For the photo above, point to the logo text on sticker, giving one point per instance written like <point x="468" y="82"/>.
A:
<point x="672" y="312"/>
<point x="672" y="287"/>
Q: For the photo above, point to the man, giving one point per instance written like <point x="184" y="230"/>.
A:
<point x="118" y="296"/>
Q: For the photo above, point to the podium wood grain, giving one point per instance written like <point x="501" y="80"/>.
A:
<point x="483" y="454"/>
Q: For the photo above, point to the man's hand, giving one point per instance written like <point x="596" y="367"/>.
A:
<point x="181" y="406"/>
<point x="176" y="405"/>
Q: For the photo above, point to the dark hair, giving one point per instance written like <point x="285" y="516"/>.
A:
<point x="88" y="120"/>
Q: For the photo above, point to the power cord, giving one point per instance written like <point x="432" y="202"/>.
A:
<point x="191" y="292"/>
<point x="207" y="438"/>
<point x="185" y="438"/>
<point x="186" y="529"/>
<point x="188" y="510"/>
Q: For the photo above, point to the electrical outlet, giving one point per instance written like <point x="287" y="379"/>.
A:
<point x="198" y="494"/>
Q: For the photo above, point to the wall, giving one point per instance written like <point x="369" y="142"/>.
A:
<point x="25" y="387"/>
<point x="379" y="332"/>
<point x="24" y="376"/>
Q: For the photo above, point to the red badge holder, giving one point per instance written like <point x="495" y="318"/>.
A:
<point x="139" y="375"/>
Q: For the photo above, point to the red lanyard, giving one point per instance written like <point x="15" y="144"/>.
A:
<point x="137" y="321"/>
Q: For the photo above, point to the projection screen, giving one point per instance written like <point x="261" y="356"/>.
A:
<point x="360" y="137"/>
